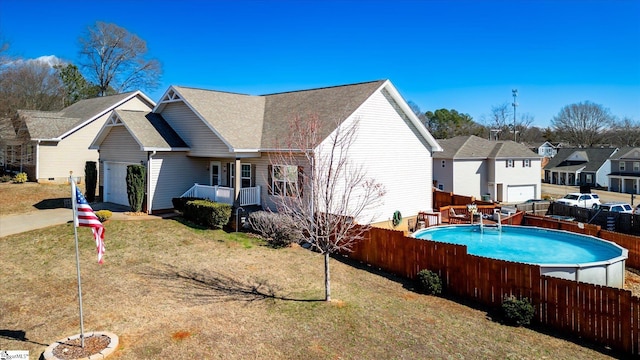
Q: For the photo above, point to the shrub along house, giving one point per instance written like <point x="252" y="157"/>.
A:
<point x="49" y="144"/>
<point x="220" y="144"/>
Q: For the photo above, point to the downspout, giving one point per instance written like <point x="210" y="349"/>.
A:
<point x="37" y="160"/>
<point x="150" y="155"/>
<point x="237" y="180"/>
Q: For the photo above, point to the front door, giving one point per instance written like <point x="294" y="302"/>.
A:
<point x="214" y="173"/>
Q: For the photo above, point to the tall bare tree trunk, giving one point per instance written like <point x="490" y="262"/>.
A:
<point x="327" y="278"/>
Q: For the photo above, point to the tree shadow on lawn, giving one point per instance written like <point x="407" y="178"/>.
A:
<point x="18" y="335"/>
<point x="212" y="286"/>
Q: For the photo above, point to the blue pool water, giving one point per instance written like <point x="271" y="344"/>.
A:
<point x="525" y="244"/>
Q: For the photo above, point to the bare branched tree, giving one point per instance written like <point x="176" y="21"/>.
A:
<point x="625" y="132"/>
<point x="115" y="59"/>
<point x="583" y="124"/>
<point x="501" y="121"/>
<point x="29" y="85"/>
<point x="319" y="186"/>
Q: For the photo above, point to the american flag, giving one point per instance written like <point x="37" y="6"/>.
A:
<point x="84" y="216"/>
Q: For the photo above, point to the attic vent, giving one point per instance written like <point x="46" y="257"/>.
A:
<point x="171" y="96"/>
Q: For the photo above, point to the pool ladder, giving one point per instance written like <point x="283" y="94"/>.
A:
<point x="498" y="225"/>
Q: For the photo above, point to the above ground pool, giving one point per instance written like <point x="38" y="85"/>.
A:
<point x="559" y="253"/>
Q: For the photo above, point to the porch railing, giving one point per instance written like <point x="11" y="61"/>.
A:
<point x="223" y="194"/>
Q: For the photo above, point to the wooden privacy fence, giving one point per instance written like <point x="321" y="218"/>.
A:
<point x="443" y="198"/>
<point x="604" y="315"/>
<point x="620" y="222"/>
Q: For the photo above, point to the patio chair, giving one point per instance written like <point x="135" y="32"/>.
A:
<point x="452" y="214"/>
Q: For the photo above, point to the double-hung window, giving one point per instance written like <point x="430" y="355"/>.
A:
<point x="510" y="163"/>
<point x="636" y="166"/>
<point x="245" y="175"/>
<point x="622" y="166"/>
<point x="286" y="180"/>
<point x="526" y="163"/>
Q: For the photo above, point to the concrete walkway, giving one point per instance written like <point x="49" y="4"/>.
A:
<point x="18" y="223"/>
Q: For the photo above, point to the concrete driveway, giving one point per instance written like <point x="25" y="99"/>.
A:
<point x="18" y="223"/>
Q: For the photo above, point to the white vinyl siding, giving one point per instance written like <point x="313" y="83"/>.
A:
<point x="201" y="140"/>
<point x="55" y="160"/>
<point x="469" y="177"/>
<point x="173" y="173"/>
<point x="406" y="175"/>
<point x="119" y="146"/>
<point x="518" y="176"/>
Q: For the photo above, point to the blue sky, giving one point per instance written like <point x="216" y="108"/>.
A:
<point x="462" y="55"/>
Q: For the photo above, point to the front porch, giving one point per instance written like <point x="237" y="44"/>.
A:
<point x="247" y="196"/>
<point x="629" y="184"/>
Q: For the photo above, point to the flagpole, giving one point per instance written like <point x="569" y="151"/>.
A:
<point x="75" y="231"/>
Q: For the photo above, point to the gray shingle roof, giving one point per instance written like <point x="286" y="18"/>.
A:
<point x="256" y="122"/>
<point x="53" y="124"/>
<point x="150" y="129"/>
<point x="627" y="152"/>
<point x="331" y="105"/>
<point x="596" y="158"/>
<point x="474" y="147"/>
<point x="236" y="117"/>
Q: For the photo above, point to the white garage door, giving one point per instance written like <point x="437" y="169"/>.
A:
<point x="115" y="186"/>
<point x="521" y="193"/>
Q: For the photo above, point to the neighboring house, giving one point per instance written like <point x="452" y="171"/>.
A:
<point x="546" y="149"/>
<point x="625" y="171"/>
<point x="203" y="136"/>
<point x="53" y="143"/>
<point x="580" y="166"/>
<point x="9" y="148"/>
<point x="503" y="171"/>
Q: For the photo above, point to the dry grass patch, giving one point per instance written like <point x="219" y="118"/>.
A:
<point x="173" y="292"/>
<point x="21" y="198"/>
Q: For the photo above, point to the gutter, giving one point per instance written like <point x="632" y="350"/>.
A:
<point x="150" y="156"/>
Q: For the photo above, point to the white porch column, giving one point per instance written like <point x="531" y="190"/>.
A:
<point x="237" y="182"/>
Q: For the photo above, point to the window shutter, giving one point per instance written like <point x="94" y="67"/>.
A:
<point x="253" y="175"/>
<point x="270" y="180"/>
<point x="301" y="180"/>
<point x="229" y="175"/>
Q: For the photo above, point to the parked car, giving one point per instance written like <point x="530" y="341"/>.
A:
<point x="585" y="200"/>
<point x="615" y="207"/>
<point x="637" y="210"/>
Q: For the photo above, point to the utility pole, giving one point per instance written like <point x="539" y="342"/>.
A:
<point x="515" y="95"/>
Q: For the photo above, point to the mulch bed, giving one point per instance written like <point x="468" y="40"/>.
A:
<point x="72" y="349"/>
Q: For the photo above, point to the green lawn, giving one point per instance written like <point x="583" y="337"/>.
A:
<point x="173" y="292"/>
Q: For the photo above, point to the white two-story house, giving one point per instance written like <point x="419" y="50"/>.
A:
<point x="503" y="171"/>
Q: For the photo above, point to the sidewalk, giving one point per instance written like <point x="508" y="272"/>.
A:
<point x="18" y="223"/>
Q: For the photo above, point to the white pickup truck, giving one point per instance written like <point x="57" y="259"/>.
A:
<point x="585" y="200"/>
